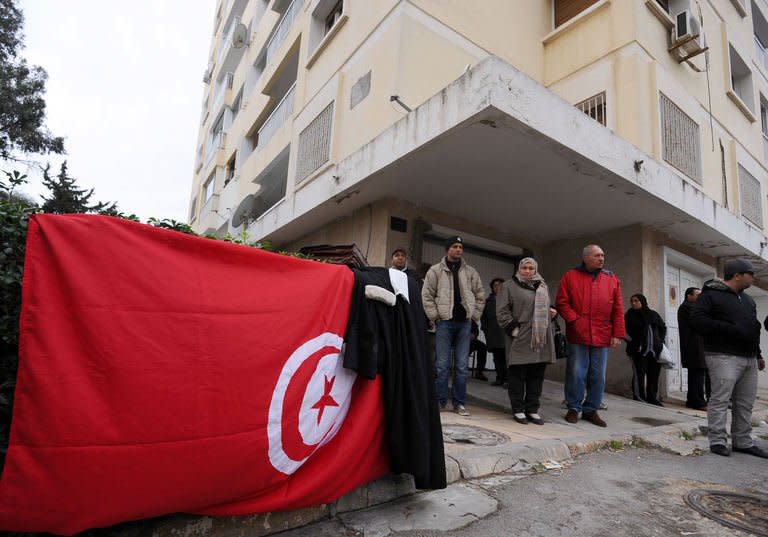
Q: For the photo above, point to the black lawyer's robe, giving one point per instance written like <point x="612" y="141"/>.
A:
<point x="390" y="340"/>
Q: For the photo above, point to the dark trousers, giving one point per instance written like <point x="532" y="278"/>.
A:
<point x="525" y="382"/>
<point x="482" y="354"/>
<point x="645" y="381"/>
<point x="698" y="389"/>
<point x="500" y="363"/>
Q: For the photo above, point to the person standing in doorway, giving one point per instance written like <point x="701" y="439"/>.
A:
<point x="726" y="318"/>
<point x="453" y="296"/>
<point x="494" y="337"/>
<point x="645" y="336"/>
<point x="692" y="354"/>
<point x="399" y="261"/>
<point x="589" y="300"/>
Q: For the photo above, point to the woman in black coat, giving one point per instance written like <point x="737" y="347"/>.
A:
<point x="645" y="336"/>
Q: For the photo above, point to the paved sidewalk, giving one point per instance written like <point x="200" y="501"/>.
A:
<point x="489" y="445"/>
<point x="490" y="441"/>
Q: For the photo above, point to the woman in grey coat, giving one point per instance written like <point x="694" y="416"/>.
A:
<point x="524" y="312"/>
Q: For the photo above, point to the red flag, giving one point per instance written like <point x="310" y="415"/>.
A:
<point x="161" y="372"/>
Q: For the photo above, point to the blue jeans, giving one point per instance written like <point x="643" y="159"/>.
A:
<point x="585" y="369"/>
<point x="452" y="335"/>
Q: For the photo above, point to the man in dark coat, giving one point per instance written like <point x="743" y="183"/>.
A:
<point x="692" y="353"/>
<point x="494" y="337"/>
<point x="726" y="318"/>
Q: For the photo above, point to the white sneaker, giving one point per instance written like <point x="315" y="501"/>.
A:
<point x="461" y="410"/>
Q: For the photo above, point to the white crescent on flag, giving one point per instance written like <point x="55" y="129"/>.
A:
<point x="323" y="408"/>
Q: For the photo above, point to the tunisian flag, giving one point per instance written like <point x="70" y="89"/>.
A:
<point x="161" y="372"/>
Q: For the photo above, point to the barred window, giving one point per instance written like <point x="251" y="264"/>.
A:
<point x="594" y="107"/>
<point x="315" y="144"/>
<point x="751" y="200"/>
<point x="680" y="139"/>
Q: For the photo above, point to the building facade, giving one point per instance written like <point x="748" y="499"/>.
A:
<point x="530" y="127"/>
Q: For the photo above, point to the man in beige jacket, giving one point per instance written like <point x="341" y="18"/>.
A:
<point x="453" y="297"/>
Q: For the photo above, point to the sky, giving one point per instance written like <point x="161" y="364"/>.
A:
<point x="125" y="90"/>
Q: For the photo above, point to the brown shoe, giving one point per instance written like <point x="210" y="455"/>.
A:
<point x="592" y="417"/>
<point x="571" y="416"/>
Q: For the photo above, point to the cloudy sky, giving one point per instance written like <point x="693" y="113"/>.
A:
<point x="125" y="90"/>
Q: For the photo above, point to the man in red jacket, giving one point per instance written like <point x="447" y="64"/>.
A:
<point x="589" y="299"/>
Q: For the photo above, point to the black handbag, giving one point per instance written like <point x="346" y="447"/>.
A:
<point x="561" y="343"/>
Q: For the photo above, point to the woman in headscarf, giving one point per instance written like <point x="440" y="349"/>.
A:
<point x="645" y="336"/>
<point x="524" y="313"/>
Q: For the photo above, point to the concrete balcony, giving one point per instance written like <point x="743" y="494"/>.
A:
<point x="222" y="92"/>
<point x="229" y="56"/>
<point x="282" y="29"/>
<point x="281" y="114"/>
<point x="209" y="214"/>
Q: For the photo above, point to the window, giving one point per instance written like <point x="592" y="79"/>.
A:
<point x="594" y="107"/>
<point x="326" y="19"/>
<point x="760" y="29"/>
<point x="315" y="144"/>
<point x="193" y="209"/>
<point x="664" y="4"/>
<point x="741" y="81"/>
<point x="208" y="187"/>
<point x="751" y="200"/>
<point x="680" y="139"/>
<point x="334" y="16"/>
<point x="565" y="10"/>
<point x="230" y="173"/>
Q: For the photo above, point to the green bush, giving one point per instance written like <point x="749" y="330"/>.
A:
<point x="14" y="219"/>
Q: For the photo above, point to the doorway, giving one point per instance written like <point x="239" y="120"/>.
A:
<point x="680" y="273"/>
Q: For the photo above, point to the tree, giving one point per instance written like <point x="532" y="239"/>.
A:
<point x="22" y="106"/>
<point x="66" y="197"/>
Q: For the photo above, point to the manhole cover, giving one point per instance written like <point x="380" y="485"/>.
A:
<point x="467" y="434"/>
<point x="653" y="422"/>
<point x="745" y="512"/>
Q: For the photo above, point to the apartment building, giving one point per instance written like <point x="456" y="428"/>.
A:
<point x="526" y="126"/>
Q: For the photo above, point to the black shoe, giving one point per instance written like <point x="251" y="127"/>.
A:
<point x="535" y="418"/>
<point x="720" y="449"/>
<point x="593" y="418"/>
<point x="753" y="450"/>
<point x="519" y="417"/>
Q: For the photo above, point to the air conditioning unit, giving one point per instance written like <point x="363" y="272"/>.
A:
<point x="687" y="35"/>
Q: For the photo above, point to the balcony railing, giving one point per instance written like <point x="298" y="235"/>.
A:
<point x="215" y="142"/>
<point x="221" y="90"/>
<point x="279" y="115"/>
<point x="226" y="38"/>
<point x="282" y="29"/>
<point x="762" y="55"/>
<point x="209" y="206"/>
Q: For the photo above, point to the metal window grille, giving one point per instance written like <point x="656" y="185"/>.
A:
<point x="751" y="200"/>
<point x="315" y="144"/>
<point x="680" y="139"/>
<point x="594" y="107"/>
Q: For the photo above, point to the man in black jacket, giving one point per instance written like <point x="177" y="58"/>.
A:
<point x="726" y="318"/>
